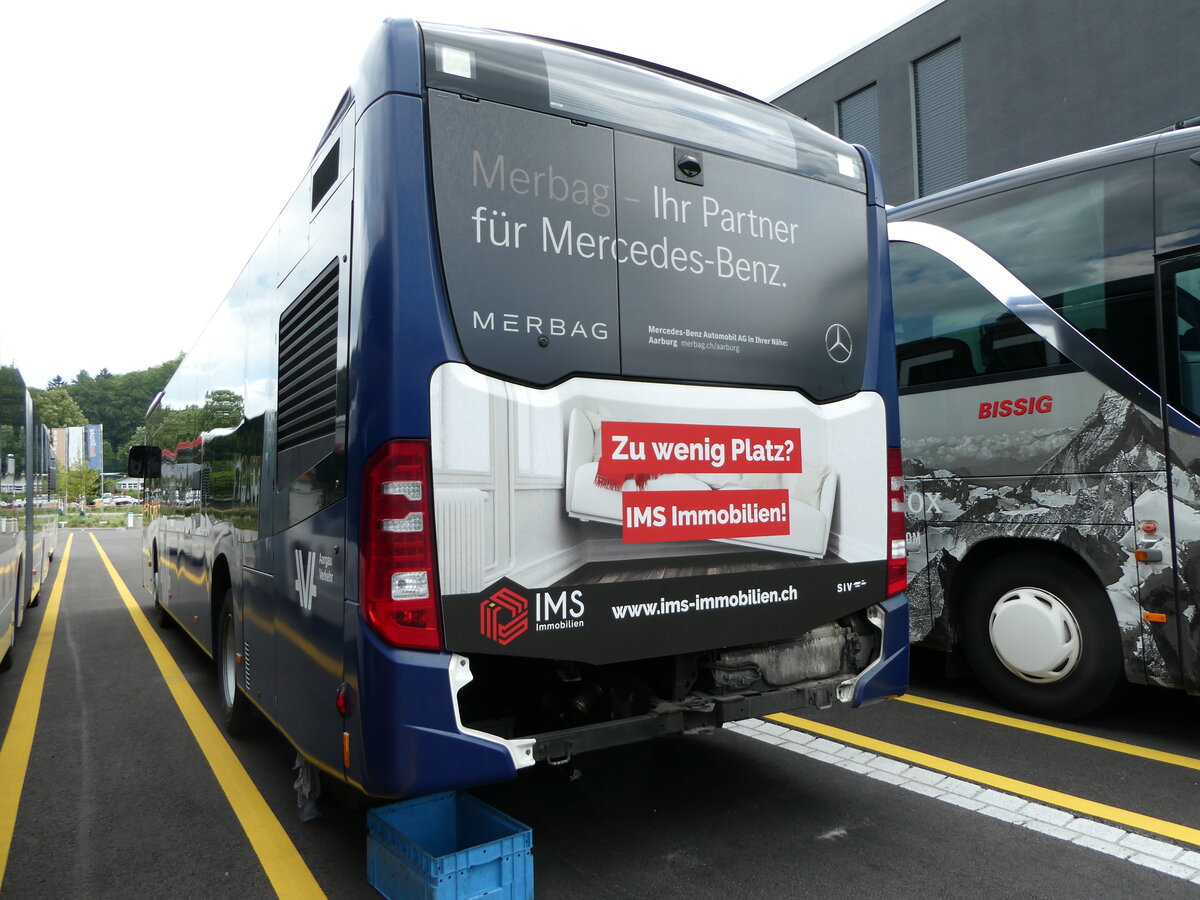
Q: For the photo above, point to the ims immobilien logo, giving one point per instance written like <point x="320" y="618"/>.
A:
<point x="504" y="616"/>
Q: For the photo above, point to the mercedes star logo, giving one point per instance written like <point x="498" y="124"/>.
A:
<point x="838" y="344"/>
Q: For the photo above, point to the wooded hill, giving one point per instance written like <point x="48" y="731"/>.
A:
<point x="118" y="402"/>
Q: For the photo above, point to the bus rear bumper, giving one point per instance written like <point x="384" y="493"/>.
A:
<point x="413" y="742"/>
<point x="887" y="676"/>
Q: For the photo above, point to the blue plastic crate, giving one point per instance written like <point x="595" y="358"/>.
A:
<point x="448" y="846"/>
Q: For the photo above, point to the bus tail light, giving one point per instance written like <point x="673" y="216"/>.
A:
<point x="897" y="563"/>
<point x="399" y="578"/>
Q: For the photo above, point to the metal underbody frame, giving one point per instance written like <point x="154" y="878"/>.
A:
<point x="699" y="713"/>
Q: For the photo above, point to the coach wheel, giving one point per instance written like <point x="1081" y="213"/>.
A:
<point x="1041" y="636"/>
<point x="235" y="707"/>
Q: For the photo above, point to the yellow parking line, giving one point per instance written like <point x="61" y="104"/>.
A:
<point x="1065" y="734"/>
<point x="283" y="864"/>
<point x="1079" y="805"/>
<point x="18" y="741"/>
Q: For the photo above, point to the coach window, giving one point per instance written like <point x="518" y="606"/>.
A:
<point x="1177" y="199"/>
<point x="1181" y="298"/>
<point x="949" y="328"/>
<point x="1084" y="244"/>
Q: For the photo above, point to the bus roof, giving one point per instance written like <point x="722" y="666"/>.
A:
<point x="399" y="34"/>
<point x="1086" y="160"/>
<point x="546" y="75"/>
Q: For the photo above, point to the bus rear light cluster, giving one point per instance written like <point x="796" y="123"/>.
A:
<point x="399" y="579"/>
<point x="897" y="563"/>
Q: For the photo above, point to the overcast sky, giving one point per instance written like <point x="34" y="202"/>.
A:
<point x="148" y="146"/>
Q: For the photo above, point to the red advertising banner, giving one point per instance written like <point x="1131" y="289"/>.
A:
<point x="649" y="516"/>
<point x="631" y="449"/>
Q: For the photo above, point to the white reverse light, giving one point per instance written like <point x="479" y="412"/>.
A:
<point x="410" y="524"/>
<point x="410" y="585"/>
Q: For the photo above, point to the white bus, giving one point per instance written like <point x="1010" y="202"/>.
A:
<point x="28" y="507"/>
<point x="1049" y="368"/>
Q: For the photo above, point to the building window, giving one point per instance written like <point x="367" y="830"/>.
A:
<point x="858" y="120"/>
<point x="941" y="126"/>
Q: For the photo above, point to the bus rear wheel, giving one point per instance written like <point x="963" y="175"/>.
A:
<point x="236" y="709"/>
<point x="1041" y="636"/>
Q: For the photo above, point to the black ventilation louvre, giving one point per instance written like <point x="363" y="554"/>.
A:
<point x="308" y="331"/>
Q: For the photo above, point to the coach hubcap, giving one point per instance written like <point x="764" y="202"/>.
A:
<point x="1035" y="635"/>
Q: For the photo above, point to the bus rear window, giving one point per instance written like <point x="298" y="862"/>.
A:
<point x="631" y="95"/>
<point x="573" y="248"/>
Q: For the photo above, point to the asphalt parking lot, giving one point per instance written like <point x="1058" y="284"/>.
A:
<point x="117" y="782"/>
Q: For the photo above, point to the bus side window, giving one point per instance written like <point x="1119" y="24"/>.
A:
<point x="1177" y="200"/>
<point x="939" y="337"/>
<point x="932" y="360"/>
<point x="1078" y="241"/>
<point x="1186" y="300"/>
<point x="1007" y="345"/>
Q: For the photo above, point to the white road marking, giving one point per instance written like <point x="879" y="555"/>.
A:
<point x="1168" y="858"/>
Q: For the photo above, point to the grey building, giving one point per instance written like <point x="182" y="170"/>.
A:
<point x="968" y="88"/>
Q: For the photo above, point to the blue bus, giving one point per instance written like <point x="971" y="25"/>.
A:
<point x="556" y="411"/>
<point x="28" y="506"/>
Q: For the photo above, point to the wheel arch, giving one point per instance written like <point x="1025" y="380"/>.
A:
<point x="237" y="713"/>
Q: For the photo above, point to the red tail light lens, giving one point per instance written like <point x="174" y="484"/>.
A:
<point x="399" y="578"/>
<point x="897" y="563"/>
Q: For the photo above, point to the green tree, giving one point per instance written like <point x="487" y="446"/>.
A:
<point x="119" y="402"/>
<point x="180" y="426"/>
<point x="78" y="483"/>
<point x="223" y="408"/>
<point x="12" y="414"/>
<point x="59" y="409"/>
